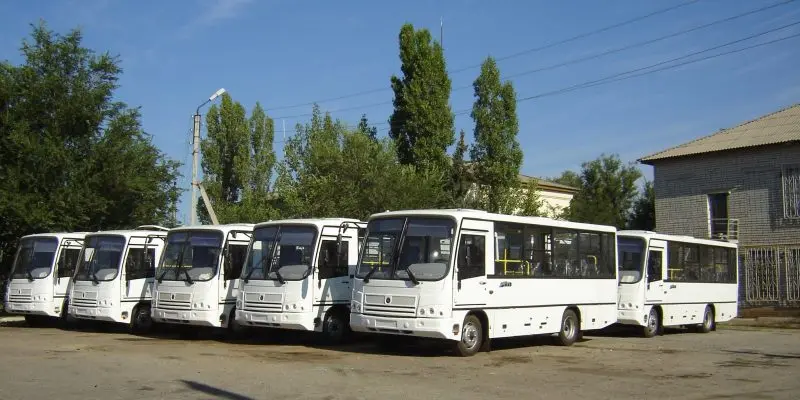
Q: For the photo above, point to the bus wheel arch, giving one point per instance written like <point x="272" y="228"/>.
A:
<point x="570" y="328"/>
<point x="336" y="324"/>
<point x="654" y="325"/>
<point x="474" y="335"/>
<point x="709" y="319"/>
<point x="141" y="320"/>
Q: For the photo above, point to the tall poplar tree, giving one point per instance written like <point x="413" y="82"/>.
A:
<point x="496" y="154"/>
<point x="422" y="122"/>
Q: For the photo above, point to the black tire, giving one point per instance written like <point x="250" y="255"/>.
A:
<point x="235" y="330"/>
<point x="653" y="326"/>
<point x="709" y="322"/>
<point x="141" y="321"/>
<point x="471" y="337"/>
<point x="67" y="321"/>
<point x="33" y="321"/>
<point x="335" y="327"/>
<point x="570" y="330"/>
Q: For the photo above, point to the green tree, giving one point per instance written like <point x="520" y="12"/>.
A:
<point x="496" y="153"/>
<point x="330" y="171"/>
<point x="608" y="190"/>
<point x="367" y="129"/>
<point x="643" y="215"/>
<point x="238" y="161"/>
<point x="71" y="156"/>
<point x="460" y="177"/>
<point x="422" y="122"/>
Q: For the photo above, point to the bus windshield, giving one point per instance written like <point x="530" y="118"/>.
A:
<point x="34" y="258"/>
<point x="631" y="259"/>
<point x="191" y="256"/>
<point x="424" y="255"/>
<point x="290" y="260"/>
<point x="100" y="259"/>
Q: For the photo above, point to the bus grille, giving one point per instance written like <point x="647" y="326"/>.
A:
<point x="263" y="302"/>
<point x="390" y="305"/>
<point x="84" y="299"/>
<point x="19" y="295"/>
<point x="174" y="301"/>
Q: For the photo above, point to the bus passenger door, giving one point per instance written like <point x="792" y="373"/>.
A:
<point x="474" y="254"/>
<point x="655" y="289"/>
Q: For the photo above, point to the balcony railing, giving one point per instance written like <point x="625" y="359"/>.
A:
<point x="725" y="229"/>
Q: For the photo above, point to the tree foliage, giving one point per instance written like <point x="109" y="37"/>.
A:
<point x="643" y="215"/>
<point x="71" y="157"/>
<point x="331" y="171"/>
<point x="607" y="192"/>
<point x="495" y="153"/>
<point x="422" y="122"/>
<point x="238" y="163"/>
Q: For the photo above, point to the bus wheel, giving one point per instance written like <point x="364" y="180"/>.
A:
<point x="33" y="321"/>
<point x="335" y="327"/>
<point x="570" y="328"/>
<point x="653" y="323"/>
<point x="67" y="321"/>
<point x="235" y="329"/>
<point x="471" y="337"/>
<point x="708" y="321"/>
<point x="140" y="319"/>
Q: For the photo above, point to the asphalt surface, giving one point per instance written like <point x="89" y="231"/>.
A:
<point x="42" y="363"/>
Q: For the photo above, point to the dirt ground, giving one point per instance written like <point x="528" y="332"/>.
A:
<point x="52" y="363"/>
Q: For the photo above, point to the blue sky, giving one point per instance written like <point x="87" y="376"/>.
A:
<point x="281" y="53"/>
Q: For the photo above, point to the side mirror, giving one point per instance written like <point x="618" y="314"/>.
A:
<point x="339" y="243"/>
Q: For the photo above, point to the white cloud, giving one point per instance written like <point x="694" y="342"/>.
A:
<point x="214" y="12"/>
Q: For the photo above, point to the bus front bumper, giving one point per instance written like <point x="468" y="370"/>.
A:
<point x="434" y="328"/>
<point x="210" y="318"/>
<point x="631" y="317"/>
<point x="297" y="321"/>
<point x="44" y="308"/>
<point x="95" y="313"/>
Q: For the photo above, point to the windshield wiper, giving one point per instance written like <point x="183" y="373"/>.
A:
<point x="161" y="277"/>
<point x="411" y="276"/>
<point x="188" y="279"/>
<point x="371" y="271"/>
<point x="93" y="277"/>
<point x="29" y="275"/>
<point x="278" y="275"/>
<point x="257" y="266"/>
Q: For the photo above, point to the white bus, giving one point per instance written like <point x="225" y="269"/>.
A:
<point x="114" y="277"/>
<point x="668" y="280"/>
<point x="198" y="277"/>
<point x="298" y="276"/>
<point x="41" y="275"/>
<point x="469" y="276"/>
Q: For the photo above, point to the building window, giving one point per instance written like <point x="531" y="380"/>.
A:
<point x="790" y="177"/>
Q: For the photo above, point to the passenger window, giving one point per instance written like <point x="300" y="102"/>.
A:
<point x="471" y="257"/>
<point x="333" y="264"/>
<point x="235" y="261"/>
<point x="67" y="262"/>
<point x="654" y="270"/>
<point x="137" y="267"/>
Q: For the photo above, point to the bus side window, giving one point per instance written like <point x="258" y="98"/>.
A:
<point x="471" y="257"/>
<point x="654" y="271"/>
<point x="67" y="262"/>
<point x="235" y="261"/>
<point x="333" y="264"/>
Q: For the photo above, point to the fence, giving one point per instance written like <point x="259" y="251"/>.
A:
<point x="770" y="276"/>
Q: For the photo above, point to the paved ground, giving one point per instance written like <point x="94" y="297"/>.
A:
<point x="47" y="363"/>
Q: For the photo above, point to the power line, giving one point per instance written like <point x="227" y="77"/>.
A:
<point x="520" y="53"/>
<point x="621" y="75"/>
<point x="577" y="60"/>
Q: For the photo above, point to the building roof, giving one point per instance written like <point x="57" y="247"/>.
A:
<point x="542" y="184"/>
<point x="779" y="127"/>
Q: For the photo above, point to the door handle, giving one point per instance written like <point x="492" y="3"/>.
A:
<point x="482" y="282"/>
<point x="673" y="286"/>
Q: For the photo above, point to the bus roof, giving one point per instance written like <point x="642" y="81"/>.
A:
<point x="678" y="238"/>
<point x="318" y="222"/>
<point x="461" y="213"/>
<point x="224" y="228"/>
<point x="57" y="235"/>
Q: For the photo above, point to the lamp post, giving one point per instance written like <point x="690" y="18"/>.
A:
<point x="196" y="153"/>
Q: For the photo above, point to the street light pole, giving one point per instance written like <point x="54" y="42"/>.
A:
<point x="196" y="153"/>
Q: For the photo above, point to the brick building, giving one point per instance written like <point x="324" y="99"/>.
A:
<point x="740" y="184"/>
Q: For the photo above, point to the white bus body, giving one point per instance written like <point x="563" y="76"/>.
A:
<point x="41" y="275"/>
<point x="303" y="283"/>
<point x="668" y="280"/>
<point x="114" y="278"/>
<point x="469" y="276"/>
<point x="191" y="288"/>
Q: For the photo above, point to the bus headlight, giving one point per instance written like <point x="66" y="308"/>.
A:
<point x="355" y="307"/>
<point x="432" y="311"/>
